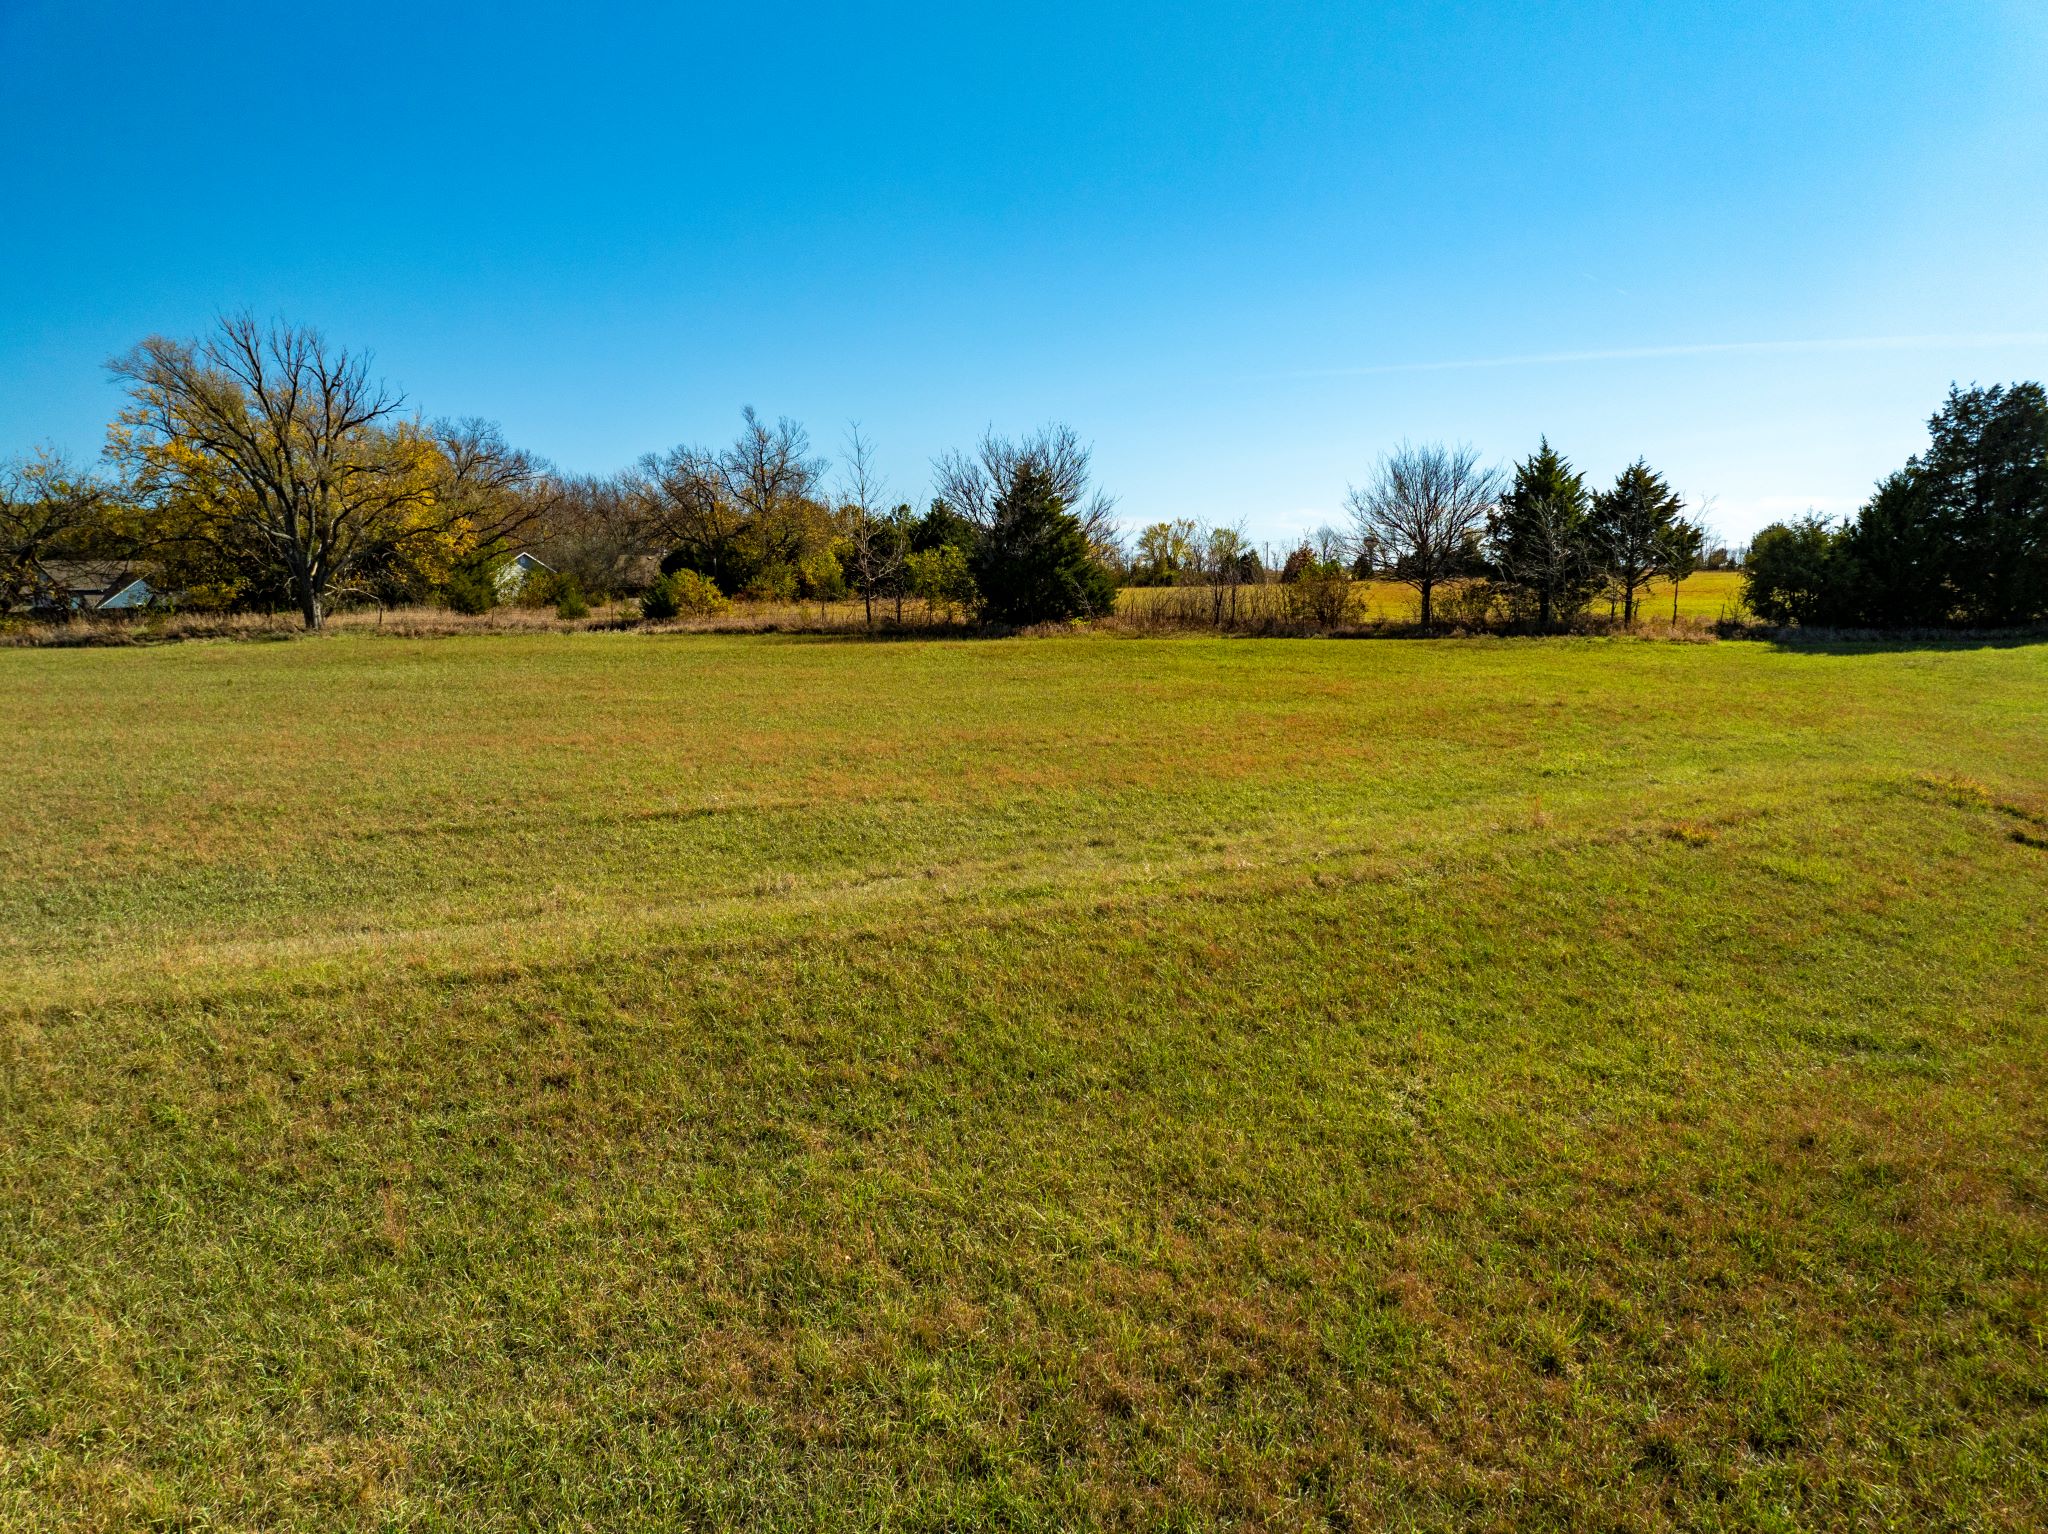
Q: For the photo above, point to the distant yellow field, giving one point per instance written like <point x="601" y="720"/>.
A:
<point x="1710" y="594"/>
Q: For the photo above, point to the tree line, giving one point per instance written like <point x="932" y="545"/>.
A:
<point x="1958" y="537"/>
<point x="1533" y="546"/>
<point x="259" y="467"/>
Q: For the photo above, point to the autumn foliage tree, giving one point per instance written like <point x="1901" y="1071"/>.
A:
<point x="266" y="463"/>
<point x="748" y="516"/>
<point x="49" y="510"/>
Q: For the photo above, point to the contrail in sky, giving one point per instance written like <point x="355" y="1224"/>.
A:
<point x="1695" y="349"/>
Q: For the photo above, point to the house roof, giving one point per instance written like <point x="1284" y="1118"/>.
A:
<point x="83" y="577"/>
<point x="133" y="592"/>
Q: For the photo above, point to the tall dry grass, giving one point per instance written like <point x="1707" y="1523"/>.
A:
<point x="1372" y="609"/>
<point x="842" y="617"/>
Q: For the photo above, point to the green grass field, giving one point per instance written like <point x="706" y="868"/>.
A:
<point x="627" y="1081"/>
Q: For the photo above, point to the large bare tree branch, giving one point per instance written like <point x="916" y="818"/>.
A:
<point x="971" y="484"/>
<point x="1425" y="505"/>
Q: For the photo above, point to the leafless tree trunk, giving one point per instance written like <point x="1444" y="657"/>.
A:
<point x="1424" y="506"/>
<point x="900" y="522"/>
<point x="872" y="535"/>
<point x="1222" y="556"/>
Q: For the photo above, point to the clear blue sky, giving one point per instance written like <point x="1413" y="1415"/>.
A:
<point x="1241" y="248"/>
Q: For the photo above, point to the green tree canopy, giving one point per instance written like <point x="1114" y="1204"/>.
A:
<point x="942" y="526"/>
<point x="1961" y="533"/>
<point x="1033" y="562"/>
<point x="1630" y="524"/>
<point x="1540" y="537"/>
<point x="1794" y="573"/>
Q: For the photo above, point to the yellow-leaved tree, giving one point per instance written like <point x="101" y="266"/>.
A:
<point x="268" y="469"/>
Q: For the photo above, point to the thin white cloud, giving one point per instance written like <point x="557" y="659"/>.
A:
<point x="1691" y="349"/>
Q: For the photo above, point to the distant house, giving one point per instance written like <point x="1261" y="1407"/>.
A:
<point x="90" y="585"/>
<point x="517" y="571"/>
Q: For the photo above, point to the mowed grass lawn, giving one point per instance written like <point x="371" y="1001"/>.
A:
<point x="625" y="1081"/>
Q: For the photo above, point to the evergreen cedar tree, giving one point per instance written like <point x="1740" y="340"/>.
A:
<point x="1032" y="563"/>
<point x="1959" y="536"/>
<point x="1631" y="526"/>
<point x="941" y="527"/>
<point x="1541" y="534"/>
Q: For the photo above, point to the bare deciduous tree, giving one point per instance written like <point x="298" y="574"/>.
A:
<point x="877" y="542"/>
<point x="973" y="484"/>
<point x="1224" y="564"/>
<point x="1679" y="553"/>
<point x="769" y="467"/>
<point x="1423" y="507"/>
<point x="284" y="437"/>
<point x="682" y="503"/>
<point x="744" y="506"/>
<point x="596" y="529"/>
<point x="497" y="489"/>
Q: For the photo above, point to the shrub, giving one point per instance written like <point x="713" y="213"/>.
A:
<point x="772" y="583"/>
<point x="940" y="576"/>
<point x="1796" y="573"/>
<point x="546" y="588"/>
<point x="1318" y="592"/>
<point x="683" y="593"/>
<point x="821" y="578"/>
<point x="697" y="594"/>
<point x="472" y="591"/>
<point x="1468" y="604"/>
<point x="569" y="599"/>
<point x="661" y="601"/>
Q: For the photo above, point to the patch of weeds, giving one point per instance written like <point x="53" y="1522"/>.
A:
<point x="2029" y="814"/>
<point x="1550" y="1347"/>
<point x="1661" y="1450"/>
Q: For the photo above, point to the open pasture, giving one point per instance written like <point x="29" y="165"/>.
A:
<point x="649" y="1081"/>
<point x="1708" y="596"/>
